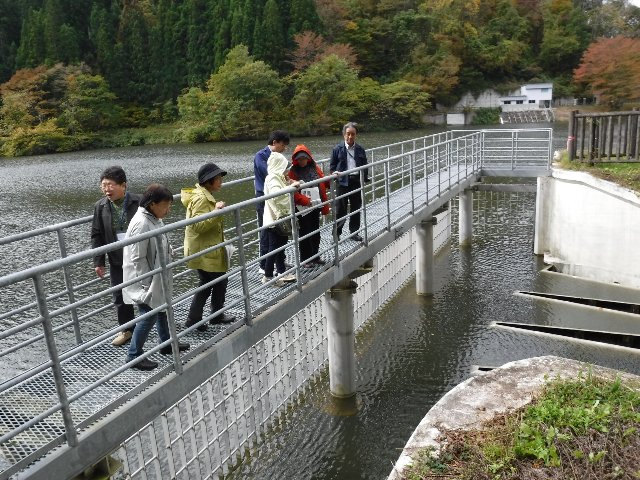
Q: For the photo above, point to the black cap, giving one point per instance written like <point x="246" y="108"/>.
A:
<point x="209" y="171"/>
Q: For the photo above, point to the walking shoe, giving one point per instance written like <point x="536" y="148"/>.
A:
<point x="319" y="261"/>
<point x="190" y="323"/>
<point x="289" y="277"/>
<point x="220" y="319"/>
<point x="261" y="271"/>
<point x="356" y="238"/>
<point x="277" y="283"/>
<point x="122" y="338"/>
<point x="308" y="265"/>
<point x="168" y="350"/>
<point x="144" y="364"/>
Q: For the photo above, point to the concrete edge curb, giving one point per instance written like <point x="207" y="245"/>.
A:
<point x="479" y="398"/>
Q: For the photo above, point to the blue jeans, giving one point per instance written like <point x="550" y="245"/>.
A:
<point x="275" y="259"/>
<point x="141" y="332"/>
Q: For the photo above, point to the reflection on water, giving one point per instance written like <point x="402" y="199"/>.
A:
<point x="416" y="349"/>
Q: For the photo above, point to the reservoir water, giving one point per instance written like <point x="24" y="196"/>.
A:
<point x="411" y="353"/>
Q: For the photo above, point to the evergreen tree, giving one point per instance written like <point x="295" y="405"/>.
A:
<point x="200" y="41"/>
<point x="303" y="17"/>
<point x="168" y="57"/>
<point x="9" y="37"/>
<point x="133" y="58"/>
<point x="270" y="40"/>
<point x="32" y="50"/>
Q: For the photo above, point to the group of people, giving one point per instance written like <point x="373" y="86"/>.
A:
<point x="121" y="214"/>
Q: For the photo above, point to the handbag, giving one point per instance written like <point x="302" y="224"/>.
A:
<point x="283" y="228"/>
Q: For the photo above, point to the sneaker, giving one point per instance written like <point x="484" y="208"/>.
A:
<point x="289" y="277"/>
<point x="144" y="364"/>
<point x="121" y="338"/>
<point x="220" y="319"/>
<point x="319" y="261"/>
<point x="168" y="350"/>
<point x="276" y="284"/>
<point x="356" y="238"/>
<point x="261" y="271"/>
<point x="308" y="265"/>
<point x="190" y="323"/>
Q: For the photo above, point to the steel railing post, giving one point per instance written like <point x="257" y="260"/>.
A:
<point x="165" y="274"/>
<point x="62" y="246"/>
<point x="439" y="171"/>
<point x="248" y="318"/>
<point x="296" y="235"/>
<point x="387" y="190"/>
<point x="334" y="212"/>
<point x="56" y="368"/>
<point x="412" y="180"/>
<point x="363" y="206"/>
<point x="373" y="181"/>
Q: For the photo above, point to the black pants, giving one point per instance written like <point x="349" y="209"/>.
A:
<point x="124" y="311"/>
<point x="264" y="237"/>
<point x="217" y="291"/>
<point x="275" y="241"/>
<point x="352" y="199"/>
<point x="309" y="223"/>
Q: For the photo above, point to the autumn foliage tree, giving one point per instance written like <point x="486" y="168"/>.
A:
<point x="610" y="69"/>
<point x="312" y="47"/>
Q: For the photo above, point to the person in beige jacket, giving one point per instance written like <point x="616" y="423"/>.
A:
<point x="276" y="208"/>
<point x="201" y="236"/>
<point x="139" y="259"/>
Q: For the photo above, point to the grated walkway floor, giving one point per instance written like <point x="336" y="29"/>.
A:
<point x="35" y="396"/>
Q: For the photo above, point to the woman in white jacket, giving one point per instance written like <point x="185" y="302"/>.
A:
<point x="278" y="207"/>
<point x="140" y="258"/>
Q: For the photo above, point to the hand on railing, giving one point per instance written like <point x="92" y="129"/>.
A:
<point x="100" y="271"/>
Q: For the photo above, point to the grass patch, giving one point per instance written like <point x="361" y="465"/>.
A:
<point x="626" y="174"/>
<point x="587" y="429"/>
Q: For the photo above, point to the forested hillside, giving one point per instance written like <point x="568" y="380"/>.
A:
<point x="235" y="68"/>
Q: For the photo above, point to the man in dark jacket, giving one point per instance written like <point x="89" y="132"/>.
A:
<point x="111" y="217"/>
<point x="347" y="156"/>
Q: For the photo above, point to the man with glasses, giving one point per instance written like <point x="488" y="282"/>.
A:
<point x="345" y="156"/>
<point x="111" y="217"/>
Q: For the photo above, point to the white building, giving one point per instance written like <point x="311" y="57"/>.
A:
<point x="532" y="96"/>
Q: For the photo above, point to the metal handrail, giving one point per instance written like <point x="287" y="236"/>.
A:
<point x="418" y="161"/>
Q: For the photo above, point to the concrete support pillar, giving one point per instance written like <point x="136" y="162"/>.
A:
<point x="341" y="335"/>
<point x="465" y="202"/>
<point x="540" y="227"/>
<point x="424" y="257"/>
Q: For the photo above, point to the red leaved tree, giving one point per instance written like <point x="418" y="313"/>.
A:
<point x="311" y="47"/>
<point x="610" y="68"/>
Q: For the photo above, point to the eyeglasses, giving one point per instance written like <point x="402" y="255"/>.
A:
<point x="108" y="185"/>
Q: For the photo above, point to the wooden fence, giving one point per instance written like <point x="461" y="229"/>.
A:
<point x="604" y="137"/>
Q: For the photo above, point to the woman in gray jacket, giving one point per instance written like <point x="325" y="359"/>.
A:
<point x="140" y="258"/>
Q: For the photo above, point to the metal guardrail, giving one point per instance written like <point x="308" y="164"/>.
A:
<point x="73" y="328"/>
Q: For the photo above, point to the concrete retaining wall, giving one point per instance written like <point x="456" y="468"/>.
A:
<point x="588" y="227"/>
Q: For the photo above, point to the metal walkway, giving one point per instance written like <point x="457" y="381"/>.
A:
<point x="36" y="415"/>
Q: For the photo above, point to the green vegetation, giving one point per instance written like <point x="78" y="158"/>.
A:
<point x="486" y="116"/>
<point x="73" y="72"/>
<point x="587" y="428"/>
<point x="624" y="174"/>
